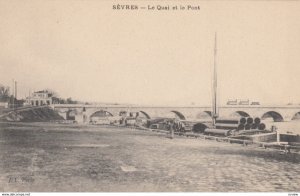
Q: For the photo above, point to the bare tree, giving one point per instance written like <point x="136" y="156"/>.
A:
<point x="4" y="93"/>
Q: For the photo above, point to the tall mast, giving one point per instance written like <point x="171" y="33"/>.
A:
<point x="16" y="91"/>
<point x="215" y="85"/>
<point x="13" y="93"/>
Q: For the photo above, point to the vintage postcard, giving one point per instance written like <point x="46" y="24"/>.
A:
<point x="150" y="96"/>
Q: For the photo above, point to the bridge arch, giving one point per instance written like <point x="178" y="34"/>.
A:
<point x="199" y="127"/>
<point x="101" y="113"/>
<point x="145" y="114"/>
<point x="296" y="116"/>
<point x="179" y="115"/>
<point x="240" y="113"/>
<point x="208" y="113"/>
<point x="277" y="117"/>
<point x="204" y="114"/>
<point x="70" y="114"/>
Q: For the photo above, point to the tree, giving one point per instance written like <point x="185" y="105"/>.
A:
<point x="52" y="92"/>
<point x="70" y="101"/>
<point x="4" y="93"/>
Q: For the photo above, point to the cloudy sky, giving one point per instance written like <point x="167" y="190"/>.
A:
<point x="87" y="51"/>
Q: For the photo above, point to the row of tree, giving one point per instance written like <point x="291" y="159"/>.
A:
<point x="69" y="100"/>
<point x="5" y="96"/>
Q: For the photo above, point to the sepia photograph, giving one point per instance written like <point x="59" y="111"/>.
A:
<point x="140" y="96"/>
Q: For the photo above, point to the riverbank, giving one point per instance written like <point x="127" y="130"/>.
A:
<point x="56" y="157"/>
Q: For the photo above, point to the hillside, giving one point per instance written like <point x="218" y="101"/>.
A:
<point x="41" y="114"/>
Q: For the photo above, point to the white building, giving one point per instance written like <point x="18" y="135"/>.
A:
<point x="40" y="98"/>
<point x="3" y="104"/>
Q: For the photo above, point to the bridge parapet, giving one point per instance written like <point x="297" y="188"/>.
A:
<point x="279" y="113"/>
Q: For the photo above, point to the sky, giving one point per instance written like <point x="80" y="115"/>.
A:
<point x="90" y="52"/>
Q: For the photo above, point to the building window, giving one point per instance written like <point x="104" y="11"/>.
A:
<point x="36" y="103"/>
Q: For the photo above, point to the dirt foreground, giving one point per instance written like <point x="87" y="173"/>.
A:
<point x="38" y="157"/>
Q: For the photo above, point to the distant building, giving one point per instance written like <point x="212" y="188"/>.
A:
<point x="3" y="104"/>
<point x="40" y="98"/>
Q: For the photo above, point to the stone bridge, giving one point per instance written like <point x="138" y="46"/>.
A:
<point x="277" y="113"/>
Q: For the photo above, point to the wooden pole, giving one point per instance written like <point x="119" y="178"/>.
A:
<point x="215" y="85"/>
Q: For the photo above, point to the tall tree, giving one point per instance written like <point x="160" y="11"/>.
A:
<point x="4" y="93"/>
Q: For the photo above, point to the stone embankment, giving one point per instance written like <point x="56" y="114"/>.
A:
<point x="33" y="114"/>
